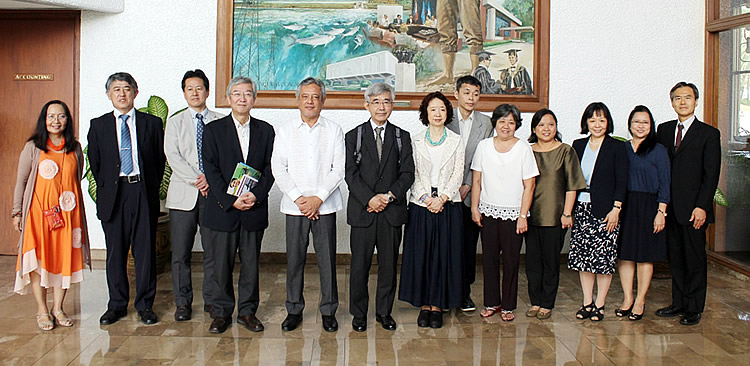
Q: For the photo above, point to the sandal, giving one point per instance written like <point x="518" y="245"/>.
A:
<point x="635" y="317"/>
<point x="45" y="321"/>
<point x="489" y="311"/>
<point x="598" y="314"/>
<point x="507" y="315"/>
<point x="620" y="313"/>
<point x="532" y="312"/>
<point x="585" y="311"/>
<point x="63" y="319"/>
<point x="544" y="314"/>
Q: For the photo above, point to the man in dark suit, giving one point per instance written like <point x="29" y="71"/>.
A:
<point x="473" y="127"/>
<point x="377" y="204"/>
<point x="231" y="223"/>
<point x="695" y="151"/>
<point x="126" y="155"/>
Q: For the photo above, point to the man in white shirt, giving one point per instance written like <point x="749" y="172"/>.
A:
<point x="308" y="163"/>
<point x="188" y="188"/>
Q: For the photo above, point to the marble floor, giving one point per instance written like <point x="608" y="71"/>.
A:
<point x="723" y="337"/>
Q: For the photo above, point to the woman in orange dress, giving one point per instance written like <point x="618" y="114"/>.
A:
<point x="48" y="211"/>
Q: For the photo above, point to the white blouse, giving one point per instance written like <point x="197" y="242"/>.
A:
<point x="502" y="177"/>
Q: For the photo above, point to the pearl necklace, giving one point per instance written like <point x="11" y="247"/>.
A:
<point x="442" y="139"/>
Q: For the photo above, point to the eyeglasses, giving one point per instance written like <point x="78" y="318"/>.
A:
<point x="246" y="94"/>
<point x="381" y="103"/>
<point x="59" y="117"/>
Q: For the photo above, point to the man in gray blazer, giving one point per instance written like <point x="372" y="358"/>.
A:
<point x="188" y="189"/>
<point x="473" y="127"/>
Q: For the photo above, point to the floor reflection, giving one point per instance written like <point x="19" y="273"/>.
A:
<point x="466" y="339"/>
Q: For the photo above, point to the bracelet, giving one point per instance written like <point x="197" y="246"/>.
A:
<point x="662" y="212"/>
<point x="15" y="214"/>
<point x="523" y="216"/>
<point x="567" y="216"/>
<point x="617" y="207"/>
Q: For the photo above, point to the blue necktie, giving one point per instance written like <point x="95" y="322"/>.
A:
<point x="126" y="154"/>
<point x="199" y="139"/>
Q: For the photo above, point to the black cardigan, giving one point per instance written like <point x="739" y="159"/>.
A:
<point x="609" y="181"/>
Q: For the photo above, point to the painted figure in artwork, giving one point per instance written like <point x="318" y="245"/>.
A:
<point x="515" y="79"/>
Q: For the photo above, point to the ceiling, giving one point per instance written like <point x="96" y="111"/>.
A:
<point x="14" y="4"/>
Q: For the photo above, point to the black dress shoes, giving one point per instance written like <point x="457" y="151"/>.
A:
<point x="436" y="319"/>
<point x="291" y="322"/>
<point x="148" y="316"/>
<point x="669" y="312"/>
<point x="182" y="313"/>
<point x="112" y="316"/>
<point x="423" y="320"/>
<point x="467" y="305"/>
<point x="386" y="321"/>
<point x="250" y="322"/>
<point x="359" y="324"/>
<point x="330" y="324"/>
<point x="219" y="325"/>
<point x="690" y="319"/>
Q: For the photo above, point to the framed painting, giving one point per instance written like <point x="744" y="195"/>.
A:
<point x="416" y="46"/>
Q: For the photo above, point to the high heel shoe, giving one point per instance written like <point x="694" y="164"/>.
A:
<point x="597" y="314"/>
<point x="625" y="312"/>
<point x="585" y="311"/>
<point x="636" y="317"/>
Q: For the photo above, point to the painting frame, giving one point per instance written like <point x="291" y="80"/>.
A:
<point x="286" y="99"/>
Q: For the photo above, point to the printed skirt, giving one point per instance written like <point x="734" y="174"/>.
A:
<point x="592" y="248"/>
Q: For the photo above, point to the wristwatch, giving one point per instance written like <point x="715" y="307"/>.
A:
<point x="662" y="212"/>
<point x="391" y="197"/>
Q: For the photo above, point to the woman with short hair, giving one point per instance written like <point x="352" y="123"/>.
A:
<point x="504" y="172"/>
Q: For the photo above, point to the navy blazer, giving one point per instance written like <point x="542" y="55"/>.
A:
<point x="221" y="153"/>
<point x="373" y="176"/>
<point x="695" y="168"/>
<point x="104" y="160"/>
<point x="609" y="181"/>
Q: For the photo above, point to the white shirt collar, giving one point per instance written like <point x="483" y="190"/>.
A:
<point x="130" y="113"/>
<point x="686" y="124"/>
<point x="461" y="118"/>
<point x="374" y="125"/>
<point x="204" y="112"/>
<point x="239" y="125"/>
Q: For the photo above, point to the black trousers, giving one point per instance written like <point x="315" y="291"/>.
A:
<point x="364" y="240"/>
<point x="500" y="236"/>
<point x="469" y="265"/>
<point x="323" y="230"/>
<point x="131" y="228"/>
<point x="183" y="226"/>
<point x="543" y="247"/>
<point x="223" y="247"/>
<point x="686" y="250"/>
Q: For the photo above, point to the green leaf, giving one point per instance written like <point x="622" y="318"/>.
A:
<point x="620" y="138"/>
<point x="158" y="107"/>
<point x="89" y="175"/>
<point x="164" y="186"/>
<point x="175" y="113"/>
<point x="720" y="198"/>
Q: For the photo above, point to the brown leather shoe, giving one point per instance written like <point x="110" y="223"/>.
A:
<point x="250" y="322"/>
<point x="219" y="325"/>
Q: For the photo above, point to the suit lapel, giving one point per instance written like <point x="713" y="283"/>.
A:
<point x="141" y="132"/>
<point x="689" y="136"/>
<point x="455" y="124"/>
<point x="388" y="138"/>
<point x="670" y="131"/>
<point x="231" y="132"/>
<point x="110" y="133"/>
<point x="253" y="132"/>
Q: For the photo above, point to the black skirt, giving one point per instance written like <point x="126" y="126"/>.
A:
<point x="638" y="243"/>
<point x="431" y="260"/>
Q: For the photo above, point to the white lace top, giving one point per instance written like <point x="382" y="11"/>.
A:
<point x="502" y="178"/>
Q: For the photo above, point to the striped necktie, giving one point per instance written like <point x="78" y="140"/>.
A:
<point x="126" y="150"/>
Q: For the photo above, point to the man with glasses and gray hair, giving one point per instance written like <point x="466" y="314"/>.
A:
<point x="126" y="156"/>
<point x="308" y="163"/>
<point x="379" y="171"/>
<point x="234" y="224"/>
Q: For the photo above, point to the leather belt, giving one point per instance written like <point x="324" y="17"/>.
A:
<point x="131" y="179"/>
